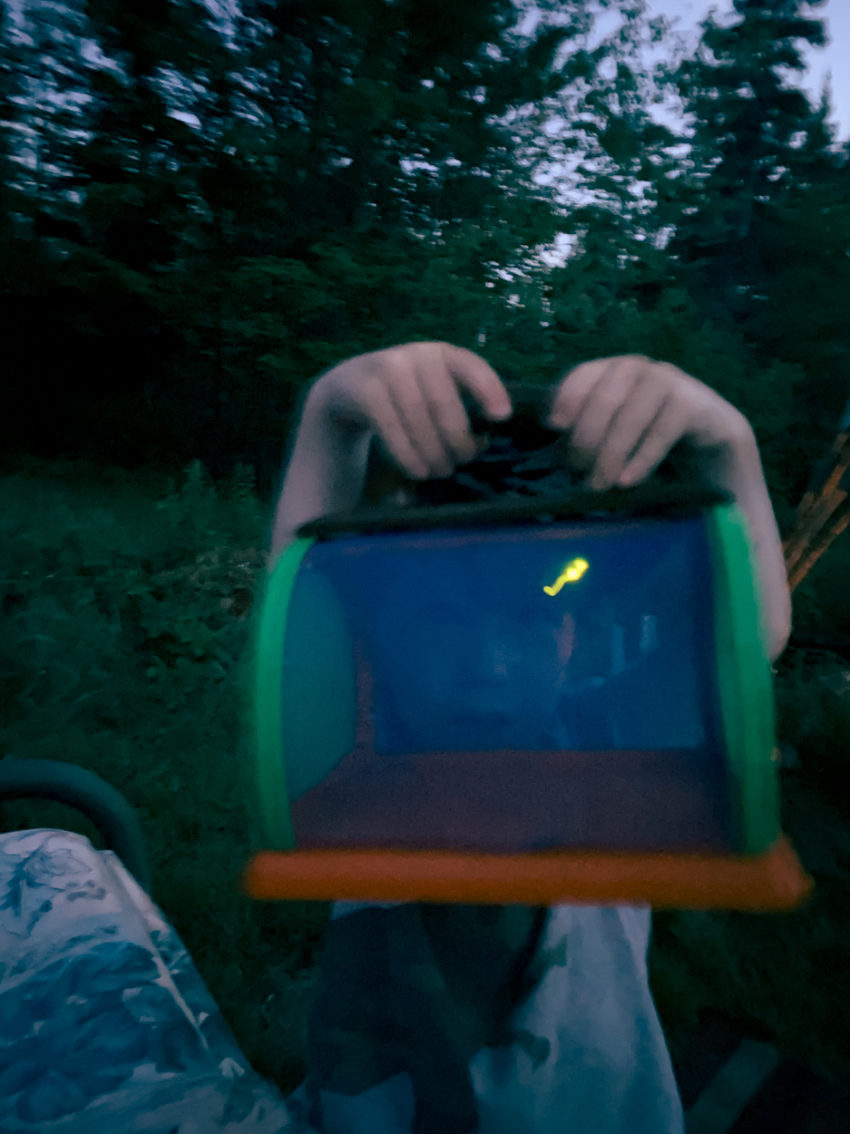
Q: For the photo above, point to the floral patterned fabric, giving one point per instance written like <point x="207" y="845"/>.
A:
<point x="483" y="1020"/>
<point x="106" y="1024"/>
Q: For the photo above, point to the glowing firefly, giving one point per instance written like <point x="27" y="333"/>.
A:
<point x="570" y="574"/>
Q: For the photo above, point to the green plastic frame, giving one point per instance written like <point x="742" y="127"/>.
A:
<point x="744" y="680"/>
<point x="269" y="747"/>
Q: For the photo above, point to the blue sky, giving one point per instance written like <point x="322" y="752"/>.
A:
<point x="836" y="13"/>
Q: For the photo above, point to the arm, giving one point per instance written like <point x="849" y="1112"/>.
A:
<point x="325" y="473"/>
<point x="409" y="397"/>
<point x="625" y="415"/>
<point x="738" y="469"/>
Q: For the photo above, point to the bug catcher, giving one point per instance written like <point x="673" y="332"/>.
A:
<point x="563" y="698"/>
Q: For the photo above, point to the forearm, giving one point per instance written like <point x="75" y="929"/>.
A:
<point x="325" y="474"/>
<point x="738" y="469"/>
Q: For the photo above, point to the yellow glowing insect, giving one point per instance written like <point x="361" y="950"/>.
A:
<point x="570" y="574"/>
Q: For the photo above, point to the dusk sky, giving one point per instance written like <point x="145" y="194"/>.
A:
<point x="833" y="58"/>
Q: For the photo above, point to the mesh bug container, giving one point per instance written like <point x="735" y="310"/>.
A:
<point x="554" y="697"/>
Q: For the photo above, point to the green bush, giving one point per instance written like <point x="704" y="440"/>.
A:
<point x="124" y="648"/>
<point x="813" y="702"/>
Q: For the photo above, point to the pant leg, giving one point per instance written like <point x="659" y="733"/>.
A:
<point x="409" y="1034"/>
<point x="407" y="994"/>
<point x="585" y="1050"/>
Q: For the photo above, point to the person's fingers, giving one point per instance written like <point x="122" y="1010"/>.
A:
<point x="474" y="374"/>
<point x="666" y="431"/>
<point x="411" y="406"/>
<point x="391" y="426"/>
<point x="448" y="419"/>
<point x="410" y="396"/>
<point x="434" y="417"/>
<point x="603" y="403"/>
<point x="573" y="390"/>
<point x="631" y="411"/>
<point x="627" y="431"/>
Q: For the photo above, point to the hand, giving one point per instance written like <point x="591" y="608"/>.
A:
<point x="623" y="416"/>
<point x="409" y="397"/>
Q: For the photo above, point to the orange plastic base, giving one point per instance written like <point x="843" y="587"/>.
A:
<point x="772" y="881"/>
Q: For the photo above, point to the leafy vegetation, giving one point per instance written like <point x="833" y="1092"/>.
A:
<point x="126" y="627"/>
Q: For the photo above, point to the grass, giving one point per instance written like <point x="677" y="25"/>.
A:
<point x="126" y="631"/>
<point x="124" y="649"/>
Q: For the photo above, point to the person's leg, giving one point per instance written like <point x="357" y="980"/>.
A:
<point x="407" y="995"/>
<point x="585" y="1050"/>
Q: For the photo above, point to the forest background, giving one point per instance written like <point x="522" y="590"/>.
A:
<point x="203" y="205"/>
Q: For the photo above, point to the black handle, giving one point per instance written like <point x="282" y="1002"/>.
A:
<point x="525" y="429"/>
<point x="77" y="787"/>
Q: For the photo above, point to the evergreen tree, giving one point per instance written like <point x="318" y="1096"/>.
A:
<point x="761" y="219"/>
<point x="750" y="124"/>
